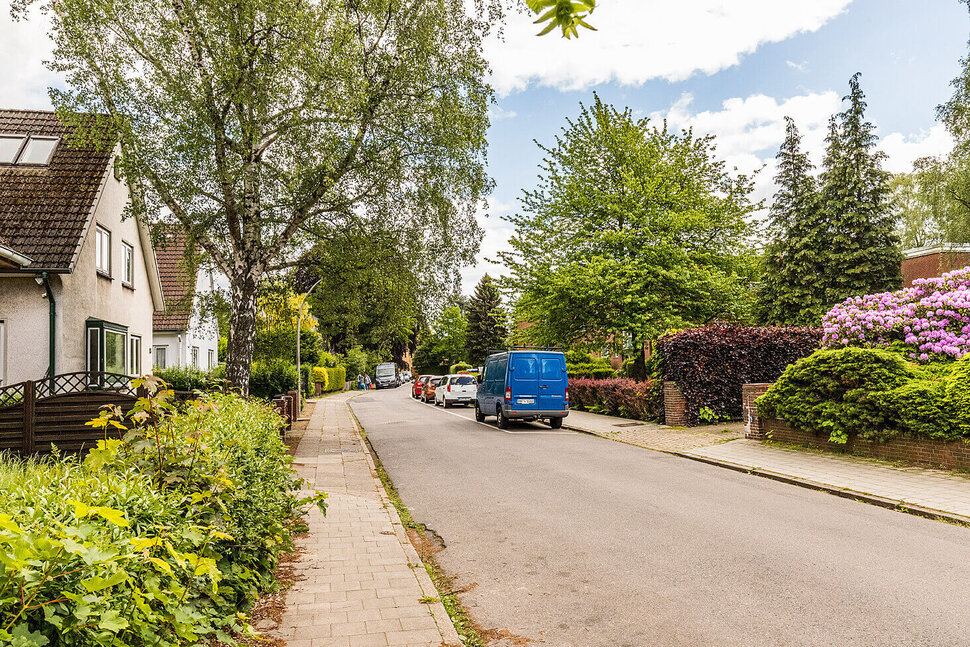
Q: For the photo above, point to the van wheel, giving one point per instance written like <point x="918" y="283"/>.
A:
<point x="555" y="423"/>
<point x="502" y="422"/>
<point x="479" y="416"/>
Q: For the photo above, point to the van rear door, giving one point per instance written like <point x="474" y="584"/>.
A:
<point x="552" y="382"/>
<point x="524" y="381"/>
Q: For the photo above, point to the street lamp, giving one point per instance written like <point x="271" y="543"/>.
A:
<point x="299" y="326"/>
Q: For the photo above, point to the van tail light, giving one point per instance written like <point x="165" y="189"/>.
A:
<point x="508" y="394"/>
<point x="567" y="395"/>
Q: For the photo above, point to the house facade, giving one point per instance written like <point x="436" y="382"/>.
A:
<point x="181" y="336"/>
<point x="928" y="262"/>
<point x="79" y="281"/>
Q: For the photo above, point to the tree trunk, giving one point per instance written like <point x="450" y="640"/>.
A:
<point x="242" y="333"/>
<point x="639" y="360"/>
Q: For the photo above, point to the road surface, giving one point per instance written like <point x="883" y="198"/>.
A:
<point x="576" y="541"/>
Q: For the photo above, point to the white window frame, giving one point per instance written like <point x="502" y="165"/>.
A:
<point x="128" y="264"/>
<point x="194" y="355"/>
<point x="213" y="361"/>
<point x="164" y="363"/>
<point x="134" y="355"/>
<point x="37" y="138"/>
<point x="14" y="137"/>
<point x="102" y="253"/>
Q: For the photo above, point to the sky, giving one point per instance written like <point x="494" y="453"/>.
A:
<point x="731" y="68"/>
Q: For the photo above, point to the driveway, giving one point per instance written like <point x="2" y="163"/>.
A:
<point x="576" y="541"/>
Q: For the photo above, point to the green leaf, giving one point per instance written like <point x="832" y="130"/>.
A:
<point x="98" y="583"/>
<point x="112" y="621"/>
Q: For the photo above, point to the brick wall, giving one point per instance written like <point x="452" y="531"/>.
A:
<point x="918" y="451"/>
<point x="749" y="412"/>
<point x="675" y="406"/>
<point x="931" y="265"/>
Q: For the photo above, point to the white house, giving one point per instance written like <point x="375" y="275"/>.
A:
<point x="79" y="282"/>
<point x="181" y="336"/>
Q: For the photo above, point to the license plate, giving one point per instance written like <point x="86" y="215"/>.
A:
<point x="526" y="401"/>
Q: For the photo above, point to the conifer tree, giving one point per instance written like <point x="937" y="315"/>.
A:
<point x="791" y="292"/>
<point x="486" y="321"/>
<point x="860" y="250"/>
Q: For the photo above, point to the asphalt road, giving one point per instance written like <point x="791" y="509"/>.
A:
<point x="577" y="541"/>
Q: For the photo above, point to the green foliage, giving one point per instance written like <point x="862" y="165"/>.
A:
<point x="957" y="393"/>
<point x="272" y="377"/>
<point x="279" y="343"/>
<point x="926" y="206"/>
<point x="162" y="538"/>
<point x="617" y="397"/>
<point x="567" y="15"/>
<point x="327" y="359"/>
<point x="331" y="378"/>
<point x="633" y="229"/>
<point x="460" y="366"/>
<point x="190" y="378"/>
<point x="444" y="344"/>
<point x="487" y="321"/>
<point x="920" y="408"/>
<point x="355" y="362"/>
<point x="580" y="364"/>
<point x="842" y="392"/>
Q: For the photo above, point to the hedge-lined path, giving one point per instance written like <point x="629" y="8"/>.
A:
<point x="907" y="487"/>
<point x="359" y="580"/>
<point x="650" y="435"/>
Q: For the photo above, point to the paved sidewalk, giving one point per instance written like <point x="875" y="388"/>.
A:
<point x="359" y="580"/>
<point x="917" y="489"/>
<point x="650" y="435"/>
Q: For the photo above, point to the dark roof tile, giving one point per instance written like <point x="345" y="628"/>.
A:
<point x="178" y="286"/>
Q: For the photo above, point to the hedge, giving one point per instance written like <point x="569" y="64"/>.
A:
<point x="872" y="394"/>
<point x="617" y="397"/>
<point x="710" y="364"/>
<point x="580" y="364"/>
<point x="163" y="538"/>
<point x="272" y="377"/>
<point x="190" y="378"/>
<point x="331" y="378"/>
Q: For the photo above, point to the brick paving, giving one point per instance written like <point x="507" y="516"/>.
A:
<point x="946" y="492"/>
<point x="650" y="435"/>
<point x="359" y="581"/>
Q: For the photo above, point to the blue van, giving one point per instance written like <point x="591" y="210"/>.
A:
<point x="524" y="385"/>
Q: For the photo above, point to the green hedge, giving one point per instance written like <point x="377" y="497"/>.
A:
<point x="272" y="377"/>
<point x="580" y="364"/>
<point x="164" y="538"/>
<point x="189" y="378"/>
<point x="873" y="394"/>
<point x="332" y="378"/>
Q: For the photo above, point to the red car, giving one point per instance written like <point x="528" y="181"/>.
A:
<point x="427" y="394"/>
<point x="418" y="385"/>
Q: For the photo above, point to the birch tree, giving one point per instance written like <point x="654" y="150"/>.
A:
<point x="258" y="125"/>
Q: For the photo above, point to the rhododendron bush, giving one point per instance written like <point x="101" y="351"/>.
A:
<point x="928" y="322"/>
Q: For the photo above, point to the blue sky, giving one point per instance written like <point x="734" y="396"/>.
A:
<point x="733" y="68"/>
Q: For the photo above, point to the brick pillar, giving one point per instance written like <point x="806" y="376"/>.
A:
<point x="675" y="406"/>
<point x="749" y="411"/>
<point x="317" y="389"/>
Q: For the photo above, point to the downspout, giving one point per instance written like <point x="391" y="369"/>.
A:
<point x="52" y="327"/>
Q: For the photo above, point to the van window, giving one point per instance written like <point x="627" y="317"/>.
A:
<point x="551" y="368"/>
<point x="524" y="367"/>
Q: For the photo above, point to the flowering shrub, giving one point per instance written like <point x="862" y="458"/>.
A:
<point x="617" y="397"/>
<point x="710" y="364"/>
<point x="929" y="321"/>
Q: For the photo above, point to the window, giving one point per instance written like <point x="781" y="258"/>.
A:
<point x="94" y="349"/>
<point x="551" y="369"/>
<point x="134" y="355"/>
<point x="524" y="367"/>
<point x="10" y="146"/>
<point x="195" y="356"/>
<point x="103" y="252"/>
<point x="127" y="264"/>
<point x="464" y="380"/>
<point x="38" y="151"/>
<point x="161" y="361"/>
<point x="212" y="359"/>
<point x="115" y="353"/>
<point x="107" y="347"/>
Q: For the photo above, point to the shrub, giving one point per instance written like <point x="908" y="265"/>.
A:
<point x="272" y="377"/>
<point x="841" y="392"/>
<point x="328" y="360"/>
<point x="460" y="366"/>
<point x="710" y="364"/>
<point x="929" y="321"/>
<point x="580" y="364"/>
<point x="280" y="343"/>
<point x="616" y="397"/>
<point x="331" y="378"/>
<point x="957" y="394"/>
<point x="920" y="409"/>
<point x="190" y="378"/>
<point x="355" y="361"/>
<point x="319" y="374"/>
<point x="160" y="539"/>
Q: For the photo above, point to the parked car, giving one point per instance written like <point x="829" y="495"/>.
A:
<point x="418" y="385"/>
<point x="427" y="395"/>
<point x="456" y="389"/>
<point x="524" y="385"/>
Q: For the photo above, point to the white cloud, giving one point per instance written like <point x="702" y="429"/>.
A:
<point x="497" y="234"/>
<point x="24" y="46"/>
<point x="637" y="41"/>
<point x="800" y="67"/>
<point x="498" y="113"/>
<point x="903" y="150"/>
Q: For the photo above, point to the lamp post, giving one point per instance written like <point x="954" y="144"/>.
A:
<point x="299" y="326"/>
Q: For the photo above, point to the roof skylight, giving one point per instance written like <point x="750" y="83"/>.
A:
<point x="38" y="150"/>
<point x="10" y="146"/>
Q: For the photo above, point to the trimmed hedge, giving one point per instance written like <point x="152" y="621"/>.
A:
<point x="190" y="378"/>
<point x="332" y="378"/>
<point x="617" y="397"/>
<point x="272" y="377"/>
<point x="872" y="394"/>
<point x="580" y="364"/>
<point x="710" y="364"/>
